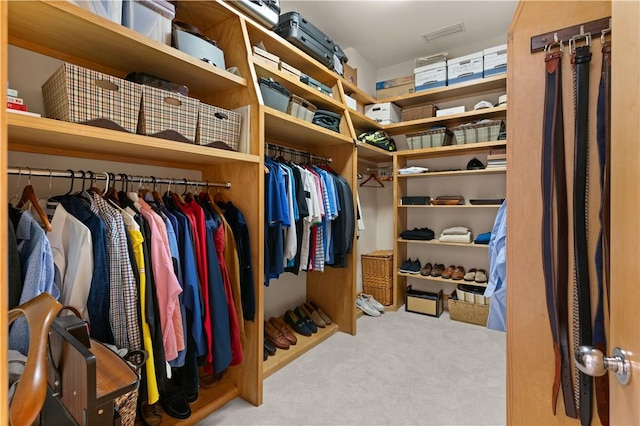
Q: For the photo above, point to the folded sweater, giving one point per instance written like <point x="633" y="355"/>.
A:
<point x="456" y="230"/>
<point x="463" y="239"/>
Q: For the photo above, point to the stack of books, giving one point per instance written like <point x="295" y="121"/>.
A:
<point x="16" y="104"/>
<point x="497" y="159"/>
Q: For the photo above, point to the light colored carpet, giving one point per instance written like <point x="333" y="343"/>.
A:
<point x="400" y="369"/>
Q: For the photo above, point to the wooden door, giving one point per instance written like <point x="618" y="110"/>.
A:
<point x="530" y="359"/>
<point x="624" y="404"/>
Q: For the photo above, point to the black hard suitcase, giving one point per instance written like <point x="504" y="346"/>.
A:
<point x="264" y="11"/>
<point x="307" y="37"/>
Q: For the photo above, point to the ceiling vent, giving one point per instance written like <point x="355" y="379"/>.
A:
<point x="443" y="32"/>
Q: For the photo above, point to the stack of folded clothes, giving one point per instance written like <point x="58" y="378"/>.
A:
<point x="417" y="234"/>
<point x="483" y="238"/>
<point x="456" y="234"/>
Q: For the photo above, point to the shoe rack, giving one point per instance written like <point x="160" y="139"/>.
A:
<point x="66" y="32"/>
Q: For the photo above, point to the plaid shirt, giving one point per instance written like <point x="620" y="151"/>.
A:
<point x="124" y="296"/>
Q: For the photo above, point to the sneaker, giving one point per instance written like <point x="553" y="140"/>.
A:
<point x="372" y="302"/>
<point x="364" y="306"/>
<point x="406" y="266"/>
<point x="415" y="267"/>
<point x="426" y="269"/>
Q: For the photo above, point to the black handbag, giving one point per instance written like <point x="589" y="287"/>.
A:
<point x="327" y="119"/>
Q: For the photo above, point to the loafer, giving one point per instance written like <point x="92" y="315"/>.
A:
<point x="315" y="316"/>
<point x="458" y="273"/>
<point x="276" y="336"/>
<point x="470" y="275"/>
<point x="269" y="347"/>
<point x="325" y="317"/>
<point x="437" y="270"/>
<point x="174" y="403"/>
<point x="151" y="414"/>
<point x="481" y="276"/>
<point x="426" y="269"/>
<point x="447" y="273"/>
<point x="191" y="396"/>
<point x="298" y="325"/>
<point x="286" y="331"/>
<point x="307" y="319"/>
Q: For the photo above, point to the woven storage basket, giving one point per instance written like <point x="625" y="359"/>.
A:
<point x="432" y="138"/>
<point x="301" y="108"/>
<point x="416" y="113"/>
<point x="471" y="313"/>
<point x="377" y="275"/>
<point x="482" y="131"/>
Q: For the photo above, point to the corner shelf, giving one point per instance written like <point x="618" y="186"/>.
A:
<point x="440" y="243"/>
<point x="280" y="126"/>
<point x="374" y="154"/>
<point x="462" y="206"/>
<point x="447" y="151"/>
<point x="439" y="279"/>
<point x="452" y="173"/>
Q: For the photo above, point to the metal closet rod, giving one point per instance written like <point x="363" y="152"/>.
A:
<point x="113" y="177"/>
<point x="280" y="148"/>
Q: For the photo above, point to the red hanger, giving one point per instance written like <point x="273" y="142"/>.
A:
<point x="375" y="178"/>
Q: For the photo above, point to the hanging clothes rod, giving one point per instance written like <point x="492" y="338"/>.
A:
<point x="29" y="172"/>
<point x="298" y="152"/>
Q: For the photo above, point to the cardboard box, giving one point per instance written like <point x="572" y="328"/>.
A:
<point x="465" y="68"/>
<point x="351" y="103"/>
<point x="399" y="81"/>
<point x="392" y="92"/>
<point x="350" y="74"/>
<point x="450" y="111"/>
<point x="265" y="54"/>
<point x="285" y="67"/>
<point x="430" y="76"/>
<point x="268" y="63"/>
<point x="423" y="302"/>
<point x="383" y="113"/>
<point x="495" y="60"/>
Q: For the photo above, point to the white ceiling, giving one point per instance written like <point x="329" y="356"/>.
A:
<point x="388" y="32"/>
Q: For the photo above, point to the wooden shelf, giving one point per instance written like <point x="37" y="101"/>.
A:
<point x="447" y="151"/>
<point x="44" y="135"/>
<point x="284" y="357"/>
<point x="454" y="173"/>
<point x="374" y="154"/>
<point x="320" y="100"/>
<point x="439" y="243"/>
<point x="54" y="28"/>
<point x="363" y="123"/>
<point x="356" y="93"/>
<point x="439" y="279"/>
<point x="209" y="400"/>
<point x="448" y="120"/>
<point x="282" y="127"/>
<point x="470" y="88"/>
<point x="463" y="206"/>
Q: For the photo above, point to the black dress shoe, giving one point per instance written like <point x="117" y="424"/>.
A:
<point x="298" y="324"/>
<point x="307" y="320"/>
<point x="191" y="397"/>
<point x="269" y="347"/>
<point x="174" y="403"/>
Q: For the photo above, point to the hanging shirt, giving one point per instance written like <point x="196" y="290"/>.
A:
<point x="38" y="272"/>
<point x="72" y="249"/>
<point x="497" y="280"/>
<point x="303" y="212"/>
<point x="290" y="234"/>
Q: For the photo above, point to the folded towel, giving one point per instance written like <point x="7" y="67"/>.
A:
<point x="456" y="230"/>
<point x="463" y="239"/>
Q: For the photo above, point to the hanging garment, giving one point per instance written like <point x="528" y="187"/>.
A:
<point x="15" y="271"/>
<point x="344" y="225"/>
<point x="303" y="211"/>
<point x="497" y="282"/>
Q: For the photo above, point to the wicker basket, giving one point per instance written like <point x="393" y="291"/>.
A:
<point x="473" y="313"/>
<point x="482" y="131"/>
<point x="301" y="108"/>
<point x="432" y="138"/>
<point x="417" y="113"/>
<point x="377" y="275"/>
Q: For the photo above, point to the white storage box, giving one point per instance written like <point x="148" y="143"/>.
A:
<point x="430" y="76"/>
<point x="450" y="111"/>
<point x="110" y="9"/>
<point x="383" y="113"/>
<point x="351" y="103"/>
<point x="495" y="60"/>
<point x="465" y="68"/>
<point x="151" y="18"/>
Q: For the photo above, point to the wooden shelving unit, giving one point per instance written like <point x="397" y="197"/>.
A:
<point x="439" y="279"/>
<point x="440" y="243"/>
<point x="434" y="174"/>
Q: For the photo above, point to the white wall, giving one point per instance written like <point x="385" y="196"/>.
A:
<point x="366" y="71"/>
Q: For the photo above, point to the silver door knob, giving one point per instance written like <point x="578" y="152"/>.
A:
<point x="592" y="362"/>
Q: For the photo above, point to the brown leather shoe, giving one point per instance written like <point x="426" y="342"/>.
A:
<point x="447" y="273"/>
<point x="276" y="336"/>
<point x="284" y="328"/>
<point x="326" y="318"/>
<point x="459" y="273"/>
<point x="437" y="270"/>
<point x="315" y="316"/>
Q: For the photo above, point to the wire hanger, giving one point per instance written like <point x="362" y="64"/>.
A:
<point x="375" y="178"/>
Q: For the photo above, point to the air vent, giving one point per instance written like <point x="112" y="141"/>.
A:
<point x="443" y="32"/>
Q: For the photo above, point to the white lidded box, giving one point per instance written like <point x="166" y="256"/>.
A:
<point x="465" y="68"/>
<point x="168" y="115"/>
<point x="151" y="18"/>
<point x="110" y="9"/>
<point x="495" y="60"/>
<point x="430" y="76"/>
<point x="81" y="95"/>
<point x="383" y="113"/>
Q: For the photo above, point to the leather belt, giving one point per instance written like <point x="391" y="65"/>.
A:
<point x="581" y="61"/>
<point x="555" y="231"/>
<point x="602" y="247"/>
